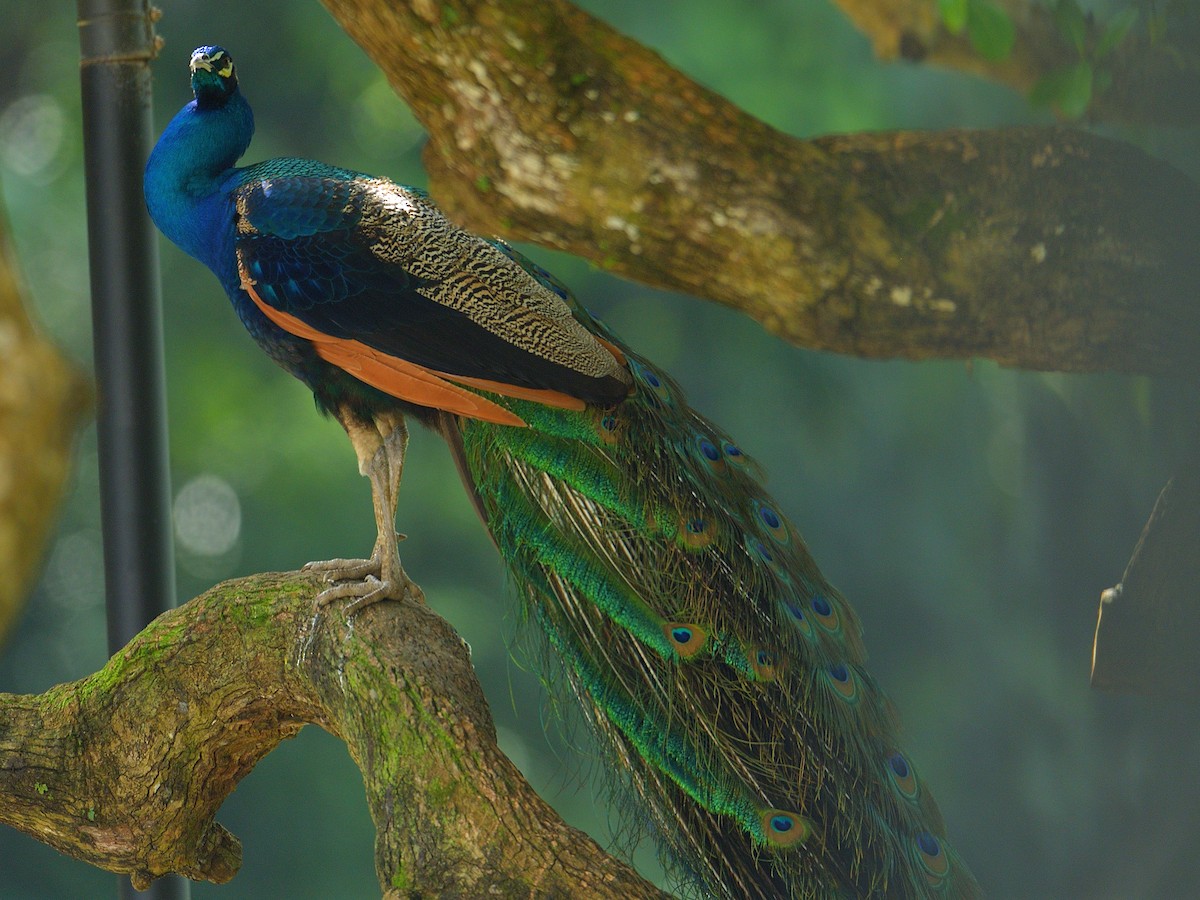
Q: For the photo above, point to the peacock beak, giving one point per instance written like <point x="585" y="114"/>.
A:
<point x="200" y="60"/>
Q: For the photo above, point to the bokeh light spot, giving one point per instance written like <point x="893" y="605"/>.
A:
<point x="31" y="134"/>
<point x="208" y="516"/>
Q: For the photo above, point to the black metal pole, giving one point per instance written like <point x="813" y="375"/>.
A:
<point x="117" y="43"/>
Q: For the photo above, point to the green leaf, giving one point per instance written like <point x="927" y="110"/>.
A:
<point x="991" y="30"/>
<point x="1115" y="32"/>
<point x="1078" y="93"/>
<point x="1069" y="19"/>
<point x="954" y="15"/>
<point x="1068" y="90"/>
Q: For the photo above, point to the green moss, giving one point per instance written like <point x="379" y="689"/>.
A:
<point x="440" y="792"/>
<point x="113" y="673"/>
<point x="257" y="610"/>
<point x="166" y="632"/>
<point x="432" y="726"/>
<point x="410" y="743"/>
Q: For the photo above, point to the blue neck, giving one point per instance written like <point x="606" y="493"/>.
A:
<point x="188" y="173"/>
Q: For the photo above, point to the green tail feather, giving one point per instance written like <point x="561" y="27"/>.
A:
<point x="715" y="662"/>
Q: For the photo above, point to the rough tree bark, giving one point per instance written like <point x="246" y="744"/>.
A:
<point x="1037" y="247"/>
<point x="126" y="768"/>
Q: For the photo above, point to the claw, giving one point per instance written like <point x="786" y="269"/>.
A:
<point x="364" y="581"/>
<point x="361" y="593"/>
<point x="343" y="569"/>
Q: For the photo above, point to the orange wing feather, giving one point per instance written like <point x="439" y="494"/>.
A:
<point x="389" y="374"/>
<point x="408" y="381"/>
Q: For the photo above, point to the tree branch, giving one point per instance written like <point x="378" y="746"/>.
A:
<point x="1153" y="82"/>
<point x="127" y="768"/>
<point x="43" y="400"/>
<point x="1040" y="248"/>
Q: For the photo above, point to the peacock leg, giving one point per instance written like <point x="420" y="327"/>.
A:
<point x="394" y="434"/>
<point x="380" y="445"/>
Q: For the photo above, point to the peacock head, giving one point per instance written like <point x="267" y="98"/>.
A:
<point x="214" y="80"/>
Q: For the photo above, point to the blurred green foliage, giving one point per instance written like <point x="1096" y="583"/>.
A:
<point x="971" y="514"/>
<point x="1069" y="89"/>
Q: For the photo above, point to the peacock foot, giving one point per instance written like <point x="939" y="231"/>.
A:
<point x="364" y="581"/>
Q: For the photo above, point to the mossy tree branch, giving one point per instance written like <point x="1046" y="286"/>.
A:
<point x="1036" y="247"/>
<point x="127" y="768"/>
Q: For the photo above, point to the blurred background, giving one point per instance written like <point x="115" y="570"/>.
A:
<point x="971" y="514"/>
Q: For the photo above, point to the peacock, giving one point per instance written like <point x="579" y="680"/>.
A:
<point x="721" y="671"/>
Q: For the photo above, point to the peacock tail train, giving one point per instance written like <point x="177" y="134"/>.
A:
<point x="718" y="666"/>
<point x="720" y="669"/>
